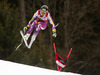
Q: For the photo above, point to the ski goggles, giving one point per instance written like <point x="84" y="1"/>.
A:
<point x="42" y="11"/>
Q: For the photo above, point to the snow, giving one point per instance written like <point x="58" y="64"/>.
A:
<point x="10" y="68"/>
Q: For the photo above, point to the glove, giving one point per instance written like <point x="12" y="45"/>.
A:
<point x="54" y="33"/>
<point x="27" y="27"/>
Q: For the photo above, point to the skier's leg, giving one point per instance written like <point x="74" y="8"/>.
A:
<point x="30" y="30"/>
<point x="43" y="25"/>
<point x="40" y="26"/>
<point x="34" y="37"/>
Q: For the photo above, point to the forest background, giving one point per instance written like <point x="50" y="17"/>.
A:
<point x="79" y="28"/>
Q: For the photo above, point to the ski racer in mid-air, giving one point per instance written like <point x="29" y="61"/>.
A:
<point x="39" y="22"/>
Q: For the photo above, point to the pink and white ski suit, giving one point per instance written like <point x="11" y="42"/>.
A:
<point x="40" y="22"/>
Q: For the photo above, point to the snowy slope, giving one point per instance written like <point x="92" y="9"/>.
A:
<point x="10" y="68"/>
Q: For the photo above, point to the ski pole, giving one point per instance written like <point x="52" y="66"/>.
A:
<point x="21" y="40"/>
<point x="57" y="24"/>
<point x="69" y="53"/>
<point x="54" y="47"/>
<point x="19" y="44"/>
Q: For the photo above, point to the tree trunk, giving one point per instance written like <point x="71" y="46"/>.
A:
<point x="22" y="12"/>
<point x="66" y="14"/>
<point x="50" y="30"/>
<point x="34" y="9"/>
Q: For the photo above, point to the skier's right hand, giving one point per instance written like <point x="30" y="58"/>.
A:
<point x="27" y="27"/>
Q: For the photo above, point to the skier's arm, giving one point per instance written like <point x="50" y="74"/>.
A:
<point x="53" y="26"/>
<point x="33" y="18"/>
<point x="30" y="22"/>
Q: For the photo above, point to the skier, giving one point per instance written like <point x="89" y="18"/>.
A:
<point x="39" y="22"/>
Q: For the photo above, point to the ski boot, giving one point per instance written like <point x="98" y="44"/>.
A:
<point x="26" y="36"/>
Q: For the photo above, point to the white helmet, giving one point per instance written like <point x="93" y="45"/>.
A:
<point x="44" y="7"/>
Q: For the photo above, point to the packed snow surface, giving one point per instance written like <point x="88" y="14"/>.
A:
<point x="10" y="68"/>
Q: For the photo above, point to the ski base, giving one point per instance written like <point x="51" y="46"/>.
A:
<point x="24" y="38"/>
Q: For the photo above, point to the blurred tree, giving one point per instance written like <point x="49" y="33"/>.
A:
<point x="84" y="25"/>
<point x="22" y="12"/>
<point x="8" y="29"/>
<point x="66" y="16"/>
